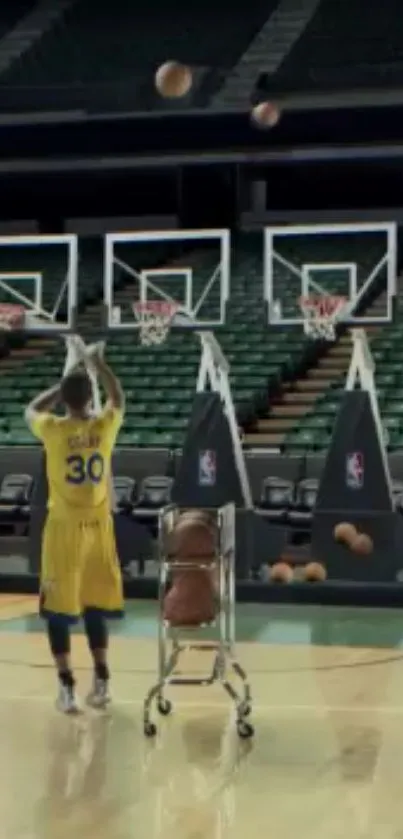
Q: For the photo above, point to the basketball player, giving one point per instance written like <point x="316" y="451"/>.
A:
<point x="80" y="573"/>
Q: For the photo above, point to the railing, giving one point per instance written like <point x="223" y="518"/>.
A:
<point x="94" y="96"/>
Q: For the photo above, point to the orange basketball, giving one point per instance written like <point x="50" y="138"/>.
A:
<point x="314" y="572"/>
<point x="194" y="535"/>
<point x="281" y="573"/>
<point x="266" y="115"/>
<point x="173" y="80"/>
<point x="363" y="544"/>
<point x="191" y="601"/>
<point x="345" y="533"/>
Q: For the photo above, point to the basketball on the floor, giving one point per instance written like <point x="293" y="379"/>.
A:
<point x="315" y="572"/>
<point x="345" y="533"/>
<point x="363" y="544"/>
<point x="281" y="573"/>
<point x="266" y="115"/>
<point x="173" y="80"/>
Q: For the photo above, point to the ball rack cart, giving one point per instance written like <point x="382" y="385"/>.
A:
<point x="174" y="640"/>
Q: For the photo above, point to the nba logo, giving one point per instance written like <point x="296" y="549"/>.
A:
<point x="207" y="468"/>
<point x="355" y="470"/>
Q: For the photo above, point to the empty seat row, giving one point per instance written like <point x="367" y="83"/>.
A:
<point x="280" y="500"/>
<point x="17" y="493"/>
<point x="294" y="502"/>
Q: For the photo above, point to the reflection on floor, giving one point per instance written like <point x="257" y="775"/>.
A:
<point x="325" y="761"/>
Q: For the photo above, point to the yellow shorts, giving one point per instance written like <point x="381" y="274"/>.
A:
<point x="80" y="568"/>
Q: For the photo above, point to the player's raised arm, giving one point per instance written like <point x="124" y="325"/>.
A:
<point x="109" y="381"/>
<point x="44" y="402"/>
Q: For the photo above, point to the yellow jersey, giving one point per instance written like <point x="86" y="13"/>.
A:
<point x="78" y="460"/>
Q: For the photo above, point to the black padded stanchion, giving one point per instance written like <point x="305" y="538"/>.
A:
<point x="355" y="476"/>
<point x="208" y="477"/>
<point x="259" y="543"/>
<point x="207" y="474"/>
<point x="355" y="488"/>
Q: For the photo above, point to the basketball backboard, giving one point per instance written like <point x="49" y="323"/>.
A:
<point x="356" y="261"/>
<point x="40" y="274"/>
<point x="189" y="268"/>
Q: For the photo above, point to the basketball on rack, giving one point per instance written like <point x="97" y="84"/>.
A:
<point x="194" y="535"/>
<point x="191" y="600"/>
<point x="266" y="115"/>
<point x="173" y="80"/>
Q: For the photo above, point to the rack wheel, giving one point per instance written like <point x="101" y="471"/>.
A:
<point x="245" y="729"/>
<point x="164" y="707"/>
<point x="150" y="729"/>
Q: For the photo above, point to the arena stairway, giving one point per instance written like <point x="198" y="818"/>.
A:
<point x="303" y="418"/>
<point x="291" y="407"/>
<point x="288" y="411"/>
<point x="10" y="13"/>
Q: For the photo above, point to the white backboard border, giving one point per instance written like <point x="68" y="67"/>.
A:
<point x="113" y="314"/>
<point x="39" y="320"/>
<point x="390" y="259"/>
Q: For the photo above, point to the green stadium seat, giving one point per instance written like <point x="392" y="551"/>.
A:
<point x="160" y="382"/>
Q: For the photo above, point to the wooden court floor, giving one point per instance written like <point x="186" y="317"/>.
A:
<point x="326" y="761"/>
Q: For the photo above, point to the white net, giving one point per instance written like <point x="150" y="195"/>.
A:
<point x="11" y="316"/>
<point x="321" y="315"/>
<point x="154" y="321"/>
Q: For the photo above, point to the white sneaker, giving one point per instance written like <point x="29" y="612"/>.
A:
<point x="66" y="701"/>
<point x="99" y="696"/>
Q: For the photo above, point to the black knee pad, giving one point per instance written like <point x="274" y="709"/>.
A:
<point x="96" y="629"/>
<point x="59" y="636"/>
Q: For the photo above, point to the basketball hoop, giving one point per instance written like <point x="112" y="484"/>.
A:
<point x="154" y="317"/>
<point x="321" y="315"/>
<point x="11" y="316"/>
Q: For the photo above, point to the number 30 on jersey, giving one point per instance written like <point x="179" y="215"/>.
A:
<point x="82" y="470"/>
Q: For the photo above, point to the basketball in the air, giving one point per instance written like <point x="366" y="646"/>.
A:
<point x="345" y="533"/>
<point x="173" y="80"/>
<point x="363" y="544"/>
<point x="266" y="115"/>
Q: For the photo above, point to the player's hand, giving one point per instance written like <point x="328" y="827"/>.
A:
<point x="76" y="346"/>
<point x="74" y="357"/>
<point x="95" y="352"/>
<point x="82" y="354"/>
